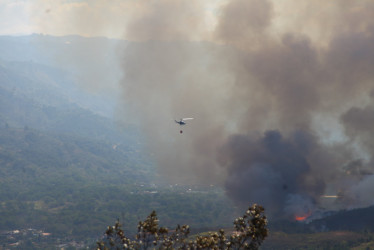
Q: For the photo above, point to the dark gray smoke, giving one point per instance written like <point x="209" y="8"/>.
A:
<point x="282" y="104"/>
<point x="271" y="170"/>
<point x="358" y="123"/>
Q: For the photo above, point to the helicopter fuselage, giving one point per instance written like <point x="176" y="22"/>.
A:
<point x="180" y="122"/>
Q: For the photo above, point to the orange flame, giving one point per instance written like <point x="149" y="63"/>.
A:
<point x="302" y="218"/>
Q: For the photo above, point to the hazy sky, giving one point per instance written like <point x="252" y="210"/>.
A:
<point x="83" y="17"/>
<point x="112" y="18"/>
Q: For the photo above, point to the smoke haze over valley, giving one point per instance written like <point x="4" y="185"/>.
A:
<point x="282" y="93"/>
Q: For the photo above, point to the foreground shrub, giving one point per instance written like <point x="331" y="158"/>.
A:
<point x="249" y="232"/>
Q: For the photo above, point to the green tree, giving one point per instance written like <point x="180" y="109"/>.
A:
<point x="250" y="230"/>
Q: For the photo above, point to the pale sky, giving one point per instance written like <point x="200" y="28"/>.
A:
<point x="82" y="17"/>
<point x="189" y="19"/>
<point x="112" y="18"/>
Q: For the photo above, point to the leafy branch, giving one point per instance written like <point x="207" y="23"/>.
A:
<point x="250" y="230"/>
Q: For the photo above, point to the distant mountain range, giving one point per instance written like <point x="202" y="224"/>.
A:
<point x="84" y="68"/>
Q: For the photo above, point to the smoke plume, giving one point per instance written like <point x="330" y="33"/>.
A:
<point x="281" y="94"/>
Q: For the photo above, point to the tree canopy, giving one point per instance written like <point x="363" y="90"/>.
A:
<point x="249" y="232"/>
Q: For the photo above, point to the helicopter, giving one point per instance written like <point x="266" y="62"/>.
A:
<point x="182" y="122"/>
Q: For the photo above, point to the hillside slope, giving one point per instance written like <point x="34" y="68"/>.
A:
<point x="70" y="171"/>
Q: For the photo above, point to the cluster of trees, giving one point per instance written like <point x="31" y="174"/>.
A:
<point x="61" y="184"/>
<point x="250" y="230"/>
<point x="83" y="212"/>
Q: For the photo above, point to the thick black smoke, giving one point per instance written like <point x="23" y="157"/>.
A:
<point x="281" y="101"/>
<point x="272" y="170"/>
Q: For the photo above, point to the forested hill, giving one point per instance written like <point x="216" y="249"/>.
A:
<point x="55" y="153"/>
<point x="38" y="96"/>
<point x="35" y="112"/>
<point x="66" y="167"/>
